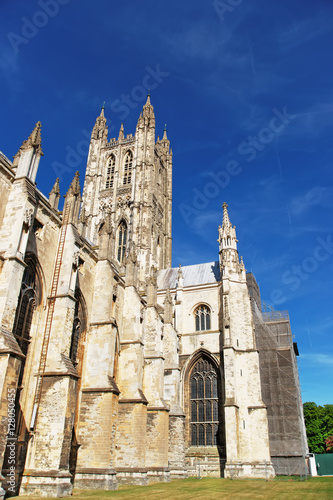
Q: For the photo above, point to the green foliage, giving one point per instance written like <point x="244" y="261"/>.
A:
<point x="319" y="426"/>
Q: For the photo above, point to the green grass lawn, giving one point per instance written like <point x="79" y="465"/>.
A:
<point x="211" y="489"/>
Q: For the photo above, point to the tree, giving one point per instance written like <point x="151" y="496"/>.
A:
<point x="319" y="426"/>
<point x="329" y="444"/>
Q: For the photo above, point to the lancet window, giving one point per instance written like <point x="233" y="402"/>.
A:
<point x="127" y="179"/>
<point x="110" y="172"/>
<point x="122" y="240"/>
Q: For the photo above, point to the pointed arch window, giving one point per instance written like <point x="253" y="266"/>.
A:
<point x="26" y="307"/>
<point x="78" y="328"/>
<point x="122" y="240"/>
<point x="128" y="168"/>
<point x="202" y="318"/>
<point x="110" y="172"/>
<point x="204" y="403"/>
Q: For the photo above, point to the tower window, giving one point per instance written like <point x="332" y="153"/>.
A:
<point x="202" y="318"/>
<point x="122" y="239"/>
<point x="128" y="168"/>
<point x="204" y="404"/>
<point x="110" y="172"/>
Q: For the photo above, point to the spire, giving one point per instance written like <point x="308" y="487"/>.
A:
<point x="28" y="157"/>
<point x="54" y="195"/>
<point x="100" y="130"/>
<point x="73" y="199"/>
<point x="227" y="233"/>
<point x="102" y="110"/>
<point x="165" y="137"/>
<point x="74" y="188"/>
<point x="229" y="260"/>
<point x="148" y="116"/>
<point x="56" y="187"/>
<point x="226" y="221"/>
<point x="121" y="132"/>
<point x="76" y="183"/>
<point x="34" y="140"/>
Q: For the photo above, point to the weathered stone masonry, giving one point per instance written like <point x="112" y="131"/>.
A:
<point x="124" y="369"/>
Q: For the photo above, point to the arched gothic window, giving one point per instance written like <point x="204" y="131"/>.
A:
<point x="78" y="328"/>
<point x="128" y="168"/>
<point x="110" y="172"/>
<point x="204" y="403"/>
<point x="122" y="239"/>
<point x="26" y="306"/>
<point x="202" y="318"/>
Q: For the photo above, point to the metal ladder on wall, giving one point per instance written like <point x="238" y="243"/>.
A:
<point x="49" y="316"/>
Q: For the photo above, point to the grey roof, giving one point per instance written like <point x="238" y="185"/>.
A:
<point x="199" y="274"/>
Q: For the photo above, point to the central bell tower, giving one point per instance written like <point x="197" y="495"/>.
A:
<point x="128" y="193"/>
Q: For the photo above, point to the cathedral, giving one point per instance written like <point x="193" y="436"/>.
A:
<point x="116" y="367"/>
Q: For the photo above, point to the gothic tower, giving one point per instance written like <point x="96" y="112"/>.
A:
<point x="128" y="185"/>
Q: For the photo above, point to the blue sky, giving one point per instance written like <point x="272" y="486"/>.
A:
<point x="246" y="91"/>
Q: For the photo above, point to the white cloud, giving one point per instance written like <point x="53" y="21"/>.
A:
<point x="317" y="196"/>
<point x="317" y="359"/>
<point x="303" y="31"/>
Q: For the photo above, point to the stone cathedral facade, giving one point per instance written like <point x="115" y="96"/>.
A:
<point x="114" y="366"/>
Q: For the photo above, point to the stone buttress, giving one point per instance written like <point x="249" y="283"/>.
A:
<point x="47" y="464"/>
<point x="246" y="427"/>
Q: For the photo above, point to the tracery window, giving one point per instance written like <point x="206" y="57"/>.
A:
<point x="202" y="318"/>
<point x="122" y="239"/>
<point x="128" y="168"/>
<point x="110" y="172"/>
<point x="204" y="404"/>
<point x="26" y="306"/>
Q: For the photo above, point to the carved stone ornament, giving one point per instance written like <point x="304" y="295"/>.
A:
<point x="105" y="206"/>
<point x="180" y="272"/>
<point x="123" y="202"/>
<point x="76" y="259"/>
<point x="28" y="216"/>
<point x="124" y="190"/>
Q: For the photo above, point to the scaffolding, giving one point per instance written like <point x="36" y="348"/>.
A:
<point x="280" y="387"/>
